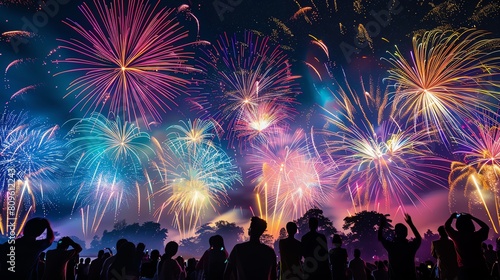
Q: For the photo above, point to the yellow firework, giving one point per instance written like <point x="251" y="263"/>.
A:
<point x="448" y="76"/>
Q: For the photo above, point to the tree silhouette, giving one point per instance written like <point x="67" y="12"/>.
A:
<point x="195" y="246"/>
<point x="424" y="252"/>
<point x="325" y="226"/>
<point x="267" y="239"/>
<point x="363" y="228"/>
<point x="149" y="233"/>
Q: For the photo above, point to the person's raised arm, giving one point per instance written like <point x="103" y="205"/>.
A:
<point x="447" y="226"/>
<point x="50" y="233"/>
<point x="418" y="237"/>
<point x="484" y="230"/>
<point x="75" y="245"/>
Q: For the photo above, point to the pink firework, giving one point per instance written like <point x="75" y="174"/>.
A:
<point x="249" y="85"/>
<point x="131" y="59"/>
<point x="290" y="176"/>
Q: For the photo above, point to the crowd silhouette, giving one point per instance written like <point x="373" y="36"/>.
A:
<point x="460" y="254"/>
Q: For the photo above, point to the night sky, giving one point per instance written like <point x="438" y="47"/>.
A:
<point x="336" y="27"/>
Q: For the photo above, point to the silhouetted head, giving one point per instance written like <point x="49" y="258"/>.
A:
<point x="126" y="249"/>
<point x="464" y="224"/>
<point x="211" y="241"/>
<point x="257" y="227"/>
<point x="490" y="247"/>
<point x="155" y="255"/>
<point x="400" y="231"/>
<point x="337" y="240"/>
<point x="313" y="223"/>
<point x="171" y="249"/>
<point x="381" y="266"/>
<point x="180" y="261"/>
<point x="87" y="261"/>
<point x="291" y="228"/>
<point x="218" y="242"/>
<point x="442" y="232"/>
<point x="106" y="255"/>
<point x="191" y="264"/>
<point x="140" y="247"/>
<point x="81" y="260"/>
<point x="357" y="253"/>
<point x="120" y="242"/>
<point x="63" y="243"/>
<point x="100" y="254"/>
<point x="34" y="227"/>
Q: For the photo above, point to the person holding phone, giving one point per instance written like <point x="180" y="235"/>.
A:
<point x="467" y="241"/>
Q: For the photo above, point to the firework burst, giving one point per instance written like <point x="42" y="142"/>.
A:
<point x="110" y="164"/>
<point x="30" y="156"/>
<point x="130" y="59"/>
<point x="380" y="161"/>
<point x="291" y="177"/>
<point x="198" y="174"/>
<point x="253" y="84"/>
<point x="450" y="76"/>
<point x="476" y="180"/>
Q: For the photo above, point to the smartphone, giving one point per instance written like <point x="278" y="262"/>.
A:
<point x="458" y="215"/>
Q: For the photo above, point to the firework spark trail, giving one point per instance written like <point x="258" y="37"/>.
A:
<point x="110" y="159"/>
<point x="374" y="153"/>
<point x="131" y="59"/>
<point x="199" y="173"/>
<point x="450" y="76"/>
<point x="32" y="149"/>
<point x="477" y="179"/>
<point x="289" y="176"/>
<point x="248" y="78"/>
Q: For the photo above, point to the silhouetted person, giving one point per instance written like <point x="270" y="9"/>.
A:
<point x="401" y="251"/>
<point x="26" y="250"/>
<point x="148" y="269"/>
<point x="191" y="269"/>
<point x="71" y="268"/>
<point x="338" y="258"/>
<point x="182" y="265"/>
<point x="315" y="252"/>
<point x="381" y="272"/>
<point x="290" y="254"/>
<point x="79" y="267"/>
<point x="83" y="271"/>
<point x="471" y="262"/>
<point x="56" y="263"/>
<point x="169" y="269"/>
<point x="124" y="265"/>
<point x="491" y="256"/>
<point x="203" y="263"/>
<point x="40" y="267"/>
<point x="358" y="266"/>
<point x="444" y="251"/>
<point x="96" y="266"/>
<point x="252" y="260"/>
<point x="139" y="251"/>
<point x="216" y="259"/>
<point x="107" y="263"/>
